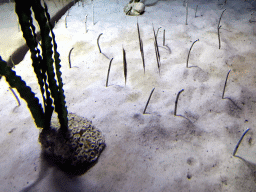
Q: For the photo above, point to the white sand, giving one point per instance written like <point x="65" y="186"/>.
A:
<point x="156" y="151"/>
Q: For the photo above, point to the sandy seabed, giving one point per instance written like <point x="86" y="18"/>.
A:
<point x="156" y="151"/>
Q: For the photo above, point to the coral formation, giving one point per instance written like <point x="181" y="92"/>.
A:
<point x="134" y="8"/>
<point x="82" y="146"/>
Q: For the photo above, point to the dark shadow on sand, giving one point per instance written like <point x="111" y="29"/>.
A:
<point x="60" y="176"/>
<point x="251" y="166"/>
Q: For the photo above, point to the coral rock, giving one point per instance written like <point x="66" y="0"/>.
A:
<point x="83" y="144"/>
<point x="134" y="8"/>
